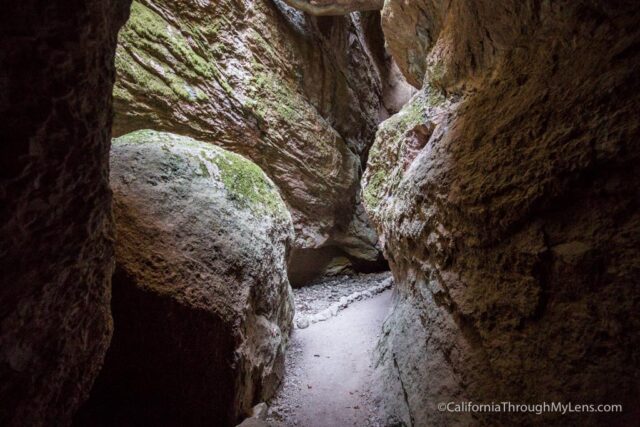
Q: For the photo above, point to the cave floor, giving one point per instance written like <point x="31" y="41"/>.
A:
<point x="329" y="370"/>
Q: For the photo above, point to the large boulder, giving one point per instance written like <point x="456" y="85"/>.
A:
<point x="299" y="95"/>
<point x="56" y="231"/>
<point x="506" y="195"/>
<point x="201" y="301"/>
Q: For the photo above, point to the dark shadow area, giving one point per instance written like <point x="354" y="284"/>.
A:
<point x="157" y="369"/>
<point x="306" y="265"/>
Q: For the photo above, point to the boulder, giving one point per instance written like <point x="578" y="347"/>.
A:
<point x="201" y="301"/>
<point x="505" y="195"/>
<point x="298" y="95"/>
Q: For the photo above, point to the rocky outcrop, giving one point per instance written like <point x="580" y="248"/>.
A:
<point x="506" y="197"/>
<point x="56" y="253"/>
<point x="334" y="7"/>
<point x="201" y="302"/>
<point x="298" y="95"/>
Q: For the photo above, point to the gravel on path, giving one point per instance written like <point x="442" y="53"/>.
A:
<point x="329" y="373"/>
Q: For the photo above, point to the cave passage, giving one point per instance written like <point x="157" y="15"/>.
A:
<point x="319" y="213"/>
<point x="329" y="379"/>
<point x="238" y="196"/>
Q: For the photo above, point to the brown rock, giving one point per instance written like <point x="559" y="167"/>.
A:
<point x="334" y="7"/>
<point x="56" y="236"/>
<point x="298" y="95"/>
<point x="201" y="302"/>
<point x="506" y="197"/>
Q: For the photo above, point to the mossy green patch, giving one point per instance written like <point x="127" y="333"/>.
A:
<point x="373" y="189"/>
<point x="386" y="155"/>
<point x="435" y="73"/>
<point x="161" y="60"/>
<point x="245" y="183"/>
<point x="271" y="96"/>
<point x="203" y="169"/>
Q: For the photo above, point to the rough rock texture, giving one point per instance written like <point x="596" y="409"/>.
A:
<point x="410" y="30"/>
<point x="335" y="7"/>
<point x="56" y="253"/>
<point x="506" y="195"/>
<point x="298" y="95"/>
<point x="201" y="302"/>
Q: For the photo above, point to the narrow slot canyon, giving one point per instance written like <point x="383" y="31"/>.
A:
<point x="319" y="213"/>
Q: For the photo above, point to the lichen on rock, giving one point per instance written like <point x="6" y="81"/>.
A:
<point x="398" y="141"/>
<point x="298" y="95"/>
<point x="201" y="300"/>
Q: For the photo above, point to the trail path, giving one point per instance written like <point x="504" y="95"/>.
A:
<point x="329" y="370"/>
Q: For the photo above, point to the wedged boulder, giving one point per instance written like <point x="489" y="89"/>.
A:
<point x="298" y="95"/>
<point x="201" y="301"/>
<point x="505" y="194"/>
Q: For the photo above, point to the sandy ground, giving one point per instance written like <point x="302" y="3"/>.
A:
<point x="329" y="370"/>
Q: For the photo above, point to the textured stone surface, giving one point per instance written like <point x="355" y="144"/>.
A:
<point x="201" y="302"/>
<point x="506" y="197"/>
<point x="334" y="7"/>
<point x="299" y="95"/>
<point x="56" y="253"/>
<point x="409" y="31"/>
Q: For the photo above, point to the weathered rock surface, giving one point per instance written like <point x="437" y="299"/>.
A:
<point x="334" y="7"/>
<point x="56" y="250"/>
<point x="201" y="301"/>
<point x="298" y="95"/>
<point x="506" y="197"/>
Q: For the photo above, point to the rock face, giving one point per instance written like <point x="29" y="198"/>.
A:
<point x="506" y="197"/>
<point x="334" y="7"/>
<point x="56" y="235"/>
<point x="298" y="95"/>
<point x="201" y="302"/>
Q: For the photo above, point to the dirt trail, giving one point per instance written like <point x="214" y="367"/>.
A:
<point x="329" y="370"/>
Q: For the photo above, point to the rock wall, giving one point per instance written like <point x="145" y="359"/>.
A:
<point x="201" y="302"/>
<point x="505" y="194"/>
<point x="299" y="95"/>
<point x="334" y="7"/>
<point x="56" y="234"/>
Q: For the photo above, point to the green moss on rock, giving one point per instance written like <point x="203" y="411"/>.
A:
<point x="372" y="192"/>
<point x="245" y="184"/>
<point x="385" y="170"/>
<point x="161" y="60"/>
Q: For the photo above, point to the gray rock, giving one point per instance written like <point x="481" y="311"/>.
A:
<point x="201" y="301"/>
<point x="189" y="68"/>
<point x="302" y="322"/>
<point x="253" y="422"/>
<point x="260" y="410"/>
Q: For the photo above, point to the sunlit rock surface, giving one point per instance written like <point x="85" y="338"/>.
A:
<point x="299" y="95"/>
<point x="201" y="301"/>
<point x="506" y="197"/>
